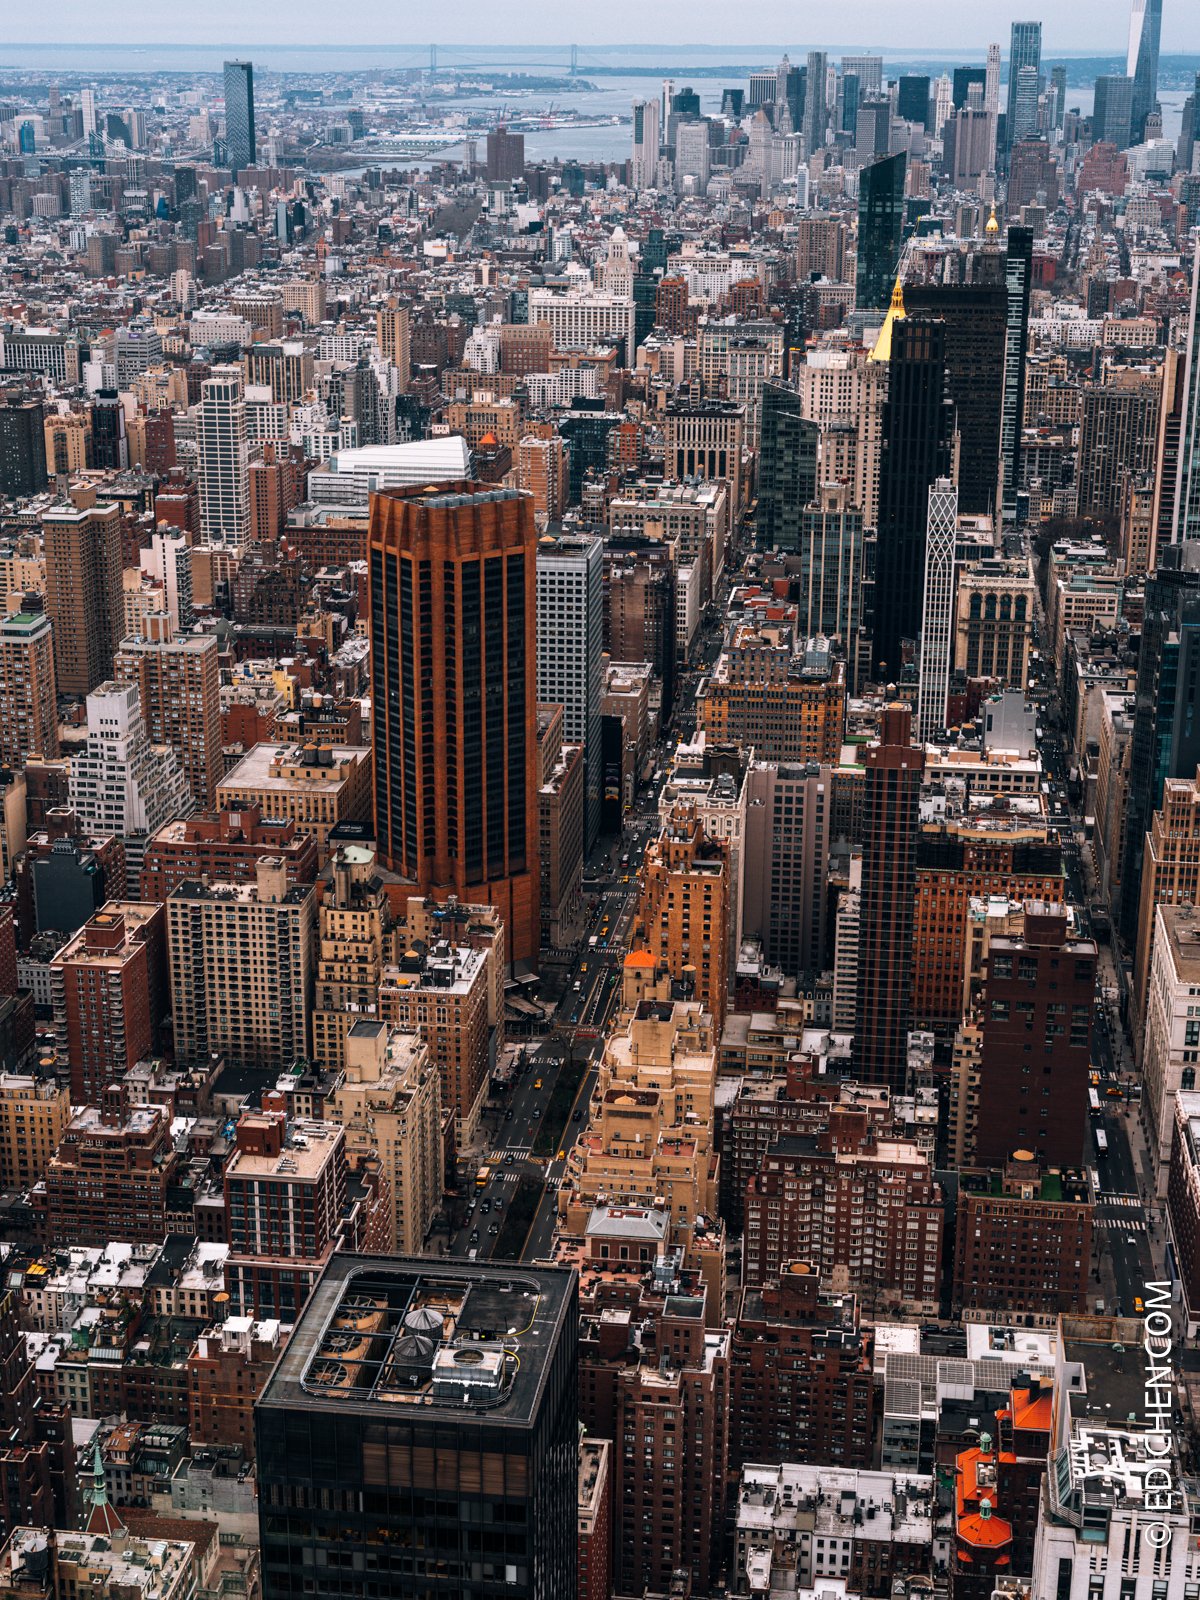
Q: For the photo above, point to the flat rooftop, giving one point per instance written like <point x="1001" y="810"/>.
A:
<point x="402" y="1334"/>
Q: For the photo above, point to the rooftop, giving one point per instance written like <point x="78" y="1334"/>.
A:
<point x="451" y="1338"/>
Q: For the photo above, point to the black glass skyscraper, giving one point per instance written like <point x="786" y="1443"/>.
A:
<point x="419" y="1435"/>
<point x="1018" y="274"/>
<point x="918" y="422"/>
<point x="240" y="146"/>
<point x="787" y="472"/>
<point x="912" y="98"/>
<point x="975" y="317"/>
<point x="880" y="230"/>
<point x="1166" y="719"/>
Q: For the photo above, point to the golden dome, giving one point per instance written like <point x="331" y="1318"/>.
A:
<point x="993" y="227"/>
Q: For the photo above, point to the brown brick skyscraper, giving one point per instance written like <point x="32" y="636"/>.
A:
<point x="891" y="804"/>
<point x="454" y="689"/>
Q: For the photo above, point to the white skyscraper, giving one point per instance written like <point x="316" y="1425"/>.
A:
<point x="87" y="101"/>
<point x="570" y="646"/>
<point x="122" y="784"/>
<point x="937" y="617"/>
<point x="223" y="458"/>
<point x="991" y="101"/>
<point x="647" y="135"/>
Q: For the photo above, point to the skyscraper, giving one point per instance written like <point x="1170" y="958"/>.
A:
<point x="1025" y="50"/>
<point x="816" y="110"/>
<point x="917" y="431"/>
<point x="891" y="809"/>
<point x="880" y="229"/>
<point x="1112" y="112"/>
<point x="223" y="458"/>
<point x="179" y="684"/>
<point x="1039" y="999"/>
<point x="570" y="630"/>
<point x="643" y="166"/>
<point x="1145" y="26"/>
<point x="28" y="717"/>
<point x="505" y="155"/>
<point x="22" y="444"/>
<point x="431" y="1405"/>
<point x="1187" y="482"/>
<point x="454" y="696"/>
<point x="240" y="145"/>
<point x="83" y="591"/>
<point x="975" y="314"/>
<point x="787" y="478"/>
<point x="912" y="98"/>
<point x="937" y="614"/>
<point x="1018" y="275"/>
<point x="1166" y="719"/>
<point x="1025" y="105"/>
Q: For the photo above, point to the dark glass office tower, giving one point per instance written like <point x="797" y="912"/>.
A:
<point x="1025" y="50"/>
<point x="975" y="315"/>
<point x="1112" y="110"/>
<point x="454" y="696"/>
<point x="918" y="426"/>
<point x="891" y="815"/>
<point x="787" y="470"/>
<point x="912" y="98"/>
<point x="1145" y="26"/>
<point x="1186" y="494"/>
<point x="880" y="229"/>
<point x="22" y="444"/>
<point x="240" y="145"/>
<point x="1166" y="718"/>
<point x="1018" y="275"/>
<point x="419" y="1436"/>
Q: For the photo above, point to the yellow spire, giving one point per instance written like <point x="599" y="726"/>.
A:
<point x="883" y="345"/>
<point x="992" y="227"/>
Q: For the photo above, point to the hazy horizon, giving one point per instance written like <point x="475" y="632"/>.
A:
<point x="620" y="25"/>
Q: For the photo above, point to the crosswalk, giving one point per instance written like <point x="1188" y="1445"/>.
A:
<point x="1122" y="1224"/>
<point x="1130" y="1201"/>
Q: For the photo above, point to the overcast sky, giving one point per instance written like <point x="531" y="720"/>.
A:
<point x="1098" y="26"/>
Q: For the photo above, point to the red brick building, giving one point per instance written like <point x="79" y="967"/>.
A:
<point x="594" y="1554"/>
<point x="1023" y="1243"/>
<point x="110" y="1176"/>
<point x="285" y="1199"/>
<point x="801" y="1383"/>
<point x="226" y="1373"/>
<point x="845" y="1198"/>
<point x="1039" y="1000"/>
<point x="109" y="986"/>
<point x="227" y="846"/>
